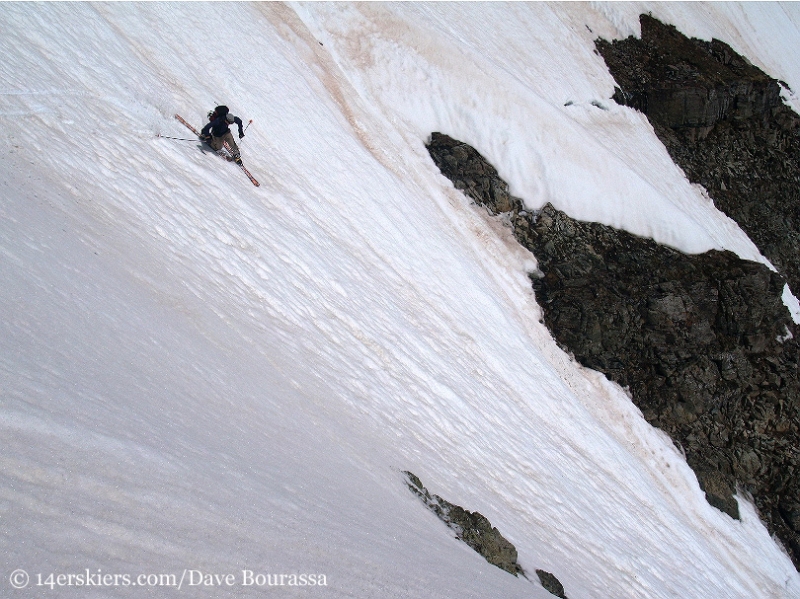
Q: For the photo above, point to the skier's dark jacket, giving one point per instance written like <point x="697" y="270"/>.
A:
<point x="219" y="127"/>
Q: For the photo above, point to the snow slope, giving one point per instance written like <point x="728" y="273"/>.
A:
<point x="200" y="375"/>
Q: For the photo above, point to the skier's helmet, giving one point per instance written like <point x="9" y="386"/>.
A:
<point x="229" y="117"/>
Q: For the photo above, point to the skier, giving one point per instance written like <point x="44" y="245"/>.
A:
<point x="217" y="133"/>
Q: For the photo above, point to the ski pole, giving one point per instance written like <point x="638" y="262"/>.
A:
<point x="175" y="138"/>
<point x="250" y="122"/>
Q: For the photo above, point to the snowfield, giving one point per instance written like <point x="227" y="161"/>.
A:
<point x="199" y="377"/>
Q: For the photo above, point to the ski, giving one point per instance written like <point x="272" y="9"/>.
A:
<point x="241" y="166"/>
<point x="249" y="176"/>
<point x="191" y="128"/>
<point x="221" y="154"/>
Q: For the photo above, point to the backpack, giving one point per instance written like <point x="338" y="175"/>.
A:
<point x="218" y="112"/>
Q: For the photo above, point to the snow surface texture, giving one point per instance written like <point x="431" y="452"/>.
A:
<point x="200" y="374"/>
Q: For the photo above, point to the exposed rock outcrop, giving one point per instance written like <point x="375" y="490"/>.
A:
<point x="472" y="174"/>
<point x="704" y="343"/>
<point x="477" y="532"/>
<point x="551" y="584"/>
<point x="471" y="527"/>
<point x="700" y="341"/>
<point x="723" y="121"/>
<point x="687" y="83"/>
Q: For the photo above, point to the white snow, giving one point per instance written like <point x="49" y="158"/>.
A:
<point x="198" y="374"/>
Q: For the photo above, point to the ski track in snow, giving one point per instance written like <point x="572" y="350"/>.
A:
<point x="199" y="374"/>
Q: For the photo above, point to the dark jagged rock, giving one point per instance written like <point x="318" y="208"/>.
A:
<point x="703" y="343"/>
<point x="471" y="527"/>
<point x="687" y="83"/>
<point x="551" y="584"/>
<point x="473" y="174"/>
<point x="700" y="342"/>
<point x="722" y="120"/>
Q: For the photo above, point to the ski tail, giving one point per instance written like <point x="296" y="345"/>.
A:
<point x="238" y="162"/>
<point x="249" y="176"/>
<point x="189" y="125"/>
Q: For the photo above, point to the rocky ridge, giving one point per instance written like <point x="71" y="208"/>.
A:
<point x="703" y="343"/>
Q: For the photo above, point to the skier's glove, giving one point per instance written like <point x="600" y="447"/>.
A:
<point x="205" y="138"/>
<point x="241" y="134"/>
